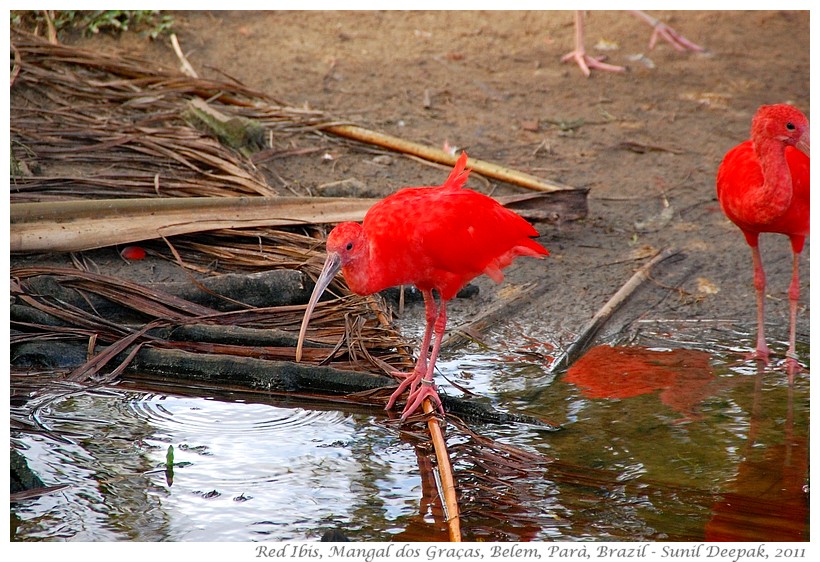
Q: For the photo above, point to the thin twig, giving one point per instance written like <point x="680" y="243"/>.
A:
<point x="185" y="66"/>
<point x="588" y="333"/>
<point x="52" y="31"/>
<point x="15" y="70"/>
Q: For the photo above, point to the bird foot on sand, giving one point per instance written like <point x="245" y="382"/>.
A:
<point x="678" y="41"/>
<point x="585" y="62"/>
<point x="427" y="389"/>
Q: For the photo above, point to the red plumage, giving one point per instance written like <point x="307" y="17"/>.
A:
<point x="763" y="186"/>
<point x="436" y="238"/>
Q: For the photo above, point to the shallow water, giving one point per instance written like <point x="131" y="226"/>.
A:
<point x="670" y="440"/>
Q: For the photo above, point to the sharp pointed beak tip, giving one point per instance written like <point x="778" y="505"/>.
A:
<point x="333" y="264"/>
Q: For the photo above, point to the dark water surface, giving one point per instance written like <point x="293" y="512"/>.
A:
<point x="665" y="440"/>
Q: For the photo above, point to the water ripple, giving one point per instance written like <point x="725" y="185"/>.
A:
<point x="213" y="417"/>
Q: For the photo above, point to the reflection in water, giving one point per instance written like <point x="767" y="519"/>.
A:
<point x="624" y="467"/>
<point x="241" y="471"/>
<point x="683" y="377"/>
<point x="767" y="497"/>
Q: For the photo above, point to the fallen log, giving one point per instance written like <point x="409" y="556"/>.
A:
<point x="277" y="287"/>
<point x="221" y="293"/>
<point x="249" y="374"/>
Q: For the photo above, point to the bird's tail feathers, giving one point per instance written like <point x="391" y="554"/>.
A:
<point x="458" y="177"/>
<point x="527" y="247"/>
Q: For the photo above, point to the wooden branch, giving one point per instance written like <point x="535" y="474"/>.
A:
<point x="246" y="136"/>
<point x="230" y="291"/>
<point x="482" y="167"/>
<point x="249" y="374"/>
<point x="591" y="329"/>
<point x="184" y="66"/>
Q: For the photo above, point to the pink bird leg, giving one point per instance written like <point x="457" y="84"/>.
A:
<point x="579" y="55"/>
<point x="424" y="386"/>
<point x="665" y="32"/>
<point x="413" y="378"/>
<point x="792" y="363"/>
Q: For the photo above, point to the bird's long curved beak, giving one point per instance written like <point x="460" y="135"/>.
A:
<point x="803" y="144"/>
<point x="333" y="264"/>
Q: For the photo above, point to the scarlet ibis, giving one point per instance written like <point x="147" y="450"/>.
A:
<point x="660" y="30"/>
<point x="763" y="186"/>
<point x="436" y="238"/>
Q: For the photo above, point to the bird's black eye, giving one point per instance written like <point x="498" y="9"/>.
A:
<point x="790" y="126"/>
<point x="349" y="246"/>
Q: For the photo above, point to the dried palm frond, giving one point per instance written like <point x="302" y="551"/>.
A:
<point x="77" y="107"/>
<point x="165" y="309"/>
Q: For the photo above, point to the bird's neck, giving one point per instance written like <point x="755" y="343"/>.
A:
<point x="359" y="277"/>
<point x="777" y="178"/>
<point x="373" y="272"/>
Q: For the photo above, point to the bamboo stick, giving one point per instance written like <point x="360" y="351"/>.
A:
<point x="482" y="167"/>
<point x="445" y="470"/>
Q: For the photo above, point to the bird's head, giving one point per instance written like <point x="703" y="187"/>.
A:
<point x="346" y="244"/>
<point x="784" y="123"/>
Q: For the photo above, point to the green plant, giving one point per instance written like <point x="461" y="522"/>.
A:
<point x="151" y="22"/>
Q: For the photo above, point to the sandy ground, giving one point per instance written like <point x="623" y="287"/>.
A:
<point x="646" y="142"/>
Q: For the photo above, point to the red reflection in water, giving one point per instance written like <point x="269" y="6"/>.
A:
<point x="683" y="376"/>
<point x="767" y="500"/>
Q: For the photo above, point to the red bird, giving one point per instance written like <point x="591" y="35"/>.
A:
<point x="436" y="238"/>
<point x="660" y="29"/>
<point x="763" y="186"/>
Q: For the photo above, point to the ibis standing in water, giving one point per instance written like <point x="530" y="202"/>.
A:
<point x="436" y="238"/>
<point x="763" y="186"/>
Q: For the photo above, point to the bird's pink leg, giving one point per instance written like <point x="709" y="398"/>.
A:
<point x="662" y="30"/>
<point x="762" y="351"/>
<point x="579" y="55"/>
<point x="413" y="378"/>
<point x="792" y="365"/>
<point x="427" y="388"/>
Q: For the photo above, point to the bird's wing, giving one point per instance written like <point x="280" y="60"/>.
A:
<point x="467" y="232"/>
